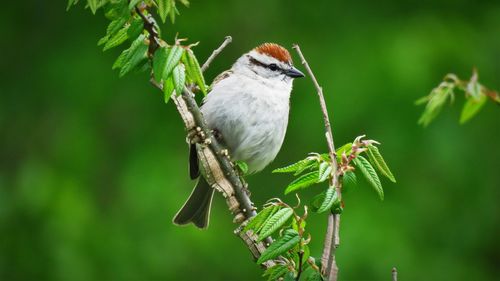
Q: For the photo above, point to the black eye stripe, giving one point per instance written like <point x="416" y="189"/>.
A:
<point x="271" y="66"/>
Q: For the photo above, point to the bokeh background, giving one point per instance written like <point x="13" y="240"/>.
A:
<point x="93" y="167"/>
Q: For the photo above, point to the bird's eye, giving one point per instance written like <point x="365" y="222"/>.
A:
<point x="273" y="67"/>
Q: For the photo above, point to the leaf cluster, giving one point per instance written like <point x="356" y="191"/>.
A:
<point x="172" y="66"/>
<point x="476" y="96"/>
<point x="290" y="250"/>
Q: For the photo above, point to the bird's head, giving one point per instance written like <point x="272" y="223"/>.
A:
<point x="269" y="61"/>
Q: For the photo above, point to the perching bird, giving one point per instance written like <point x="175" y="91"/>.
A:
<point x="248" y="106"/>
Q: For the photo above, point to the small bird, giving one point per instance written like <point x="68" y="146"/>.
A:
<point x="247" y="109"/>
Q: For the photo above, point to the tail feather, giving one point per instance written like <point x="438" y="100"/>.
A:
<point x="196" y="210"/>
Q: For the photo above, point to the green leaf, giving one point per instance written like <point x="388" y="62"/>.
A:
<point x="115" y="25"/>
<point x="117" y="39"/>
<point x="164" y="7"/>
<point x="471" y="107"/>
<point x="371" y="176"/>
<point x="349" y="180"/>
<point x="133" y="3"/>
<point x="159" y="63"/>
<point x="292" y="168"/>
<point x="93" y="4"/>
<point x="135" y="29"/>
<point x="258" y="221"/>
<point x="313" y="275"/>
<point x="379" y="162"/>
<point x="174" y="56"/>
<point x="330" y="197"/>
<point x="324" y="171"/>
<point x="71" y="3"/>
<point x="103" y="40"/>
<point x="194" y="71"/>
<point x="275" y="272"/>
<point x="303" y="181"/>
<point x="286" y="242"/>
<point x="345" y="148"/>
<point x="179" y="75"/>
<point x="136" y="53"/>
<point x="168" y="88"/>
<point x="242" y="166"/>
<point x="317" y="201"/>
<point x="437" y="98"/>
<point x="276" y="221"/>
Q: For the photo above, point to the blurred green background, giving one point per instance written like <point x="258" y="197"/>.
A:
<point x="93" y="167"/>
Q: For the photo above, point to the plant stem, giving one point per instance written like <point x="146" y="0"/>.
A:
<point x="332" y="238"/>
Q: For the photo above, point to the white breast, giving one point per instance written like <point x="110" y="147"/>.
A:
<point x="252" y="117"/>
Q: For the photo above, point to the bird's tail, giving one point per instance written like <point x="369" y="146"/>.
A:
<point x="197" y="207"/>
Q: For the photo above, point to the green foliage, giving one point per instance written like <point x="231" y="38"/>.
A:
<point x="258" y="221"/>
<point x="275" y="222"/>
<point x="134" y="55"/>
<point x="331" y="197"/>
<point x="370" y="174"/>
<point x="303" y="181"/>
<point x="168" y="8"/>
<point x="284" y="243"/>
<point x="297" y="166"/>
<point x="193" y="70"/>
<point x="378" y="161"/>
<point x="242" y="167"/>
<point x="475" y="95"/>
<point x="159" y="63"/>
<point x="179" y="75"/>
<point x="168" y="88"/>
<point x="275" y="272"/>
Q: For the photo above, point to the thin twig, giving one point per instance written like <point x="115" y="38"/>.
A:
<point x="216" y="52"/>
<point x="301" y="256"/>
<point x="394" y="274"/>
<point x="332" y="234"/>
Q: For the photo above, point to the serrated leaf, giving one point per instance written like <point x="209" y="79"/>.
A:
<point x="471" y="107"/>
<point x="174" y="56"/>
<point x="93" y="5"/>
<point x="164" y="7"/>
<point x="379" y="162"/>
<point x="324" y="171"/>
<point x="120" y="61"/>
<point x="136" y="53"/>
<point x="103" y="40"/>
<point x="194" y="71"/>
<point x="370" y="174"/>
<point x="168" y="88"/>
<point x="286" y="242"/>
<point x="303" y="181"/>
<point x="257" y="222"/>
<point x="349" y="180"/>
<point x="179" y="75"/>
<point x="115" y="25"/>
<point x="275" y="272"/>
<point x="317" y="201"/>
<point x="135" y="29"/>
<point x="159" y="63"/>
<point x="330" y="197"/>
<point x="273" y="223"/>
<point x="117" y="39"/>
<point x="292" y="168"/>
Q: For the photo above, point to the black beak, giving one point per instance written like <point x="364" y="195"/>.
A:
<point x="294" y="73"/>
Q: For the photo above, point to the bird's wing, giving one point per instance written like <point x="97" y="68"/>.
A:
<point x="222" y="76"/>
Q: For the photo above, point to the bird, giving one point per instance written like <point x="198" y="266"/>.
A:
<point x="247" y="109"/>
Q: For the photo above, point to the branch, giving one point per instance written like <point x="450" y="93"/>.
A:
<point x="332" y="240"/>
<point x="220" y="172"/>
<point x="394" y="274"/>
